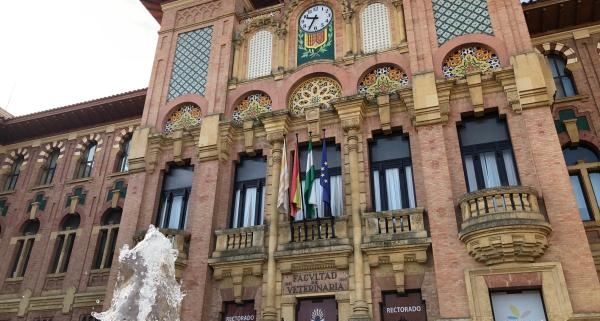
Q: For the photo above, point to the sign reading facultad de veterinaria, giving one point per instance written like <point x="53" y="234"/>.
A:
<point x="315" y="282"/>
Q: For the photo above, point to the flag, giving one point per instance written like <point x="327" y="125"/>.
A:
<point x="324" y="178"/>
<point x="284" y="183"/>
<point x="310" y="194"/>
<point x="295" y="193"/>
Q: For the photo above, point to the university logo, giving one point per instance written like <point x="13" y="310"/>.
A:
<point x="317" y="315"/>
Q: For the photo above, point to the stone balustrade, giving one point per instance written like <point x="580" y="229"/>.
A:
<point x="239" y="240"/>
<point x="403" y="224"/>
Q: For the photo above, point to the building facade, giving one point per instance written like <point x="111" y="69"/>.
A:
<point x="461" y="147"/>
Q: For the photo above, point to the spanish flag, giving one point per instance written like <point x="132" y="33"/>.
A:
<point x="295" y="188"/>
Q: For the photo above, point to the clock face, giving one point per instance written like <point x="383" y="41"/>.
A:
<point x="316" y="18"/>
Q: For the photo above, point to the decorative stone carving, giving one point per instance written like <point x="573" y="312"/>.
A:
<point x="469" y="60"/>
<point x="185" y="117"/>
<point x="382" y="80"/>
<point x="251" y="107"/>
<point x="314" y="91"/>
<point x="503" y="224"/>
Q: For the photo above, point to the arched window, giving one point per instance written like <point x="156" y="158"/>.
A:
<point x="86" y="162"/>
<point x="64" y="243"/>
<point x="583" y="164"/>
<point x="13" y="175"/>
<point x="107" y="239"/>
<point x="24" y="246"/>
<point x="123" y="156"/>
<point x="260" y="50"/>
<point x="375" y="28"/>
<point x="49" y="168"/>
<point x="562" y="78"/>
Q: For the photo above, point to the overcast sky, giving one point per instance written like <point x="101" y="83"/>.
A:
<point x="61" y="52"/>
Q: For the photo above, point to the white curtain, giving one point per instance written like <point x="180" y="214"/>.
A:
<point x="410" y="187"/>
<point x="249" y="207"/>
<point x="472" y="181"/>
<point x="377" y="191"/>
<point x="511" y="173"/>
<point x="175" y="215"/>
<point x="335" y="193"/>
<point x="236" y="209"/>
<point x="489" y="167"/>
<point x="392" y="183"/>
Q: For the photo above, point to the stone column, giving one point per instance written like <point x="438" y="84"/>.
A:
<point x="351" y="114"/>
<point x="349" y="36"/>
<point x="401" y="28"/>
<point x="237" y="51"/>
<point x="276" y="127"/>
<point x="280" y="53"/>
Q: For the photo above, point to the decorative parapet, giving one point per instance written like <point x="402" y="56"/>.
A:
<point x="180" y="240"/>
<point x="396" y="226"/>
<point x="313" y="233"/>
<point x="503" y="224"/>
<point x="240" y="242"/>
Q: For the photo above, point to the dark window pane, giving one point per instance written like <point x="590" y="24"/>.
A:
<point x="579" y="153"/>
<point x="580" y="197"/>
<point x="482" y="130"/>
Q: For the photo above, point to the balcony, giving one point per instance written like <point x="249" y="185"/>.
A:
<point x="503" y="224"/>
<point x="313" y="235"/>
<point x="240" y="244"/>
<point x="395" y="227"/>
<point x="180" y="241"/>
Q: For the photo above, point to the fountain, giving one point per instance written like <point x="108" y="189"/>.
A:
<point x="146" y="289"/>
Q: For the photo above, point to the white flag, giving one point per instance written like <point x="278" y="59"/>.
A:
<point x="284" y="183"/>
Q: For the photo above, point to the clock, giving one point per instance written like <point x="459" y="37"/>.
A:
<point x="316" y="18"/>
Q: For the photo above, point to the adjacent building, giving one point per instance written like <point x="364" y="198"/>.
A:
<point x="456" y="146"/>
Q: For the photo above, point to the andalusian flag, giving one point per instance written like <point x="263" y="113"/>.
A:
<point x="310" y="188"/>
<point x="295" y="188"/>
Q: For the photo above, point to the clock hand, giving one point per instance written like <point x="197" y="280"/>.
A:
<point x="313" y="18"/>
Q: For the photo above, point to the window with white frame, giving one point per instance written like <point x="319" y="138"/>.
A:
<point x="518" y="305"/>
<point x="86" y="162"/>
<point x="260" y="49"/>
<point x="177" y="186"/>
<point x="391" y="173"/>
<point x="375" y="28"/>
<point x="487" y="154"/>
<point x="249" y="192"/>
<point x="123" y="155"/>
<point x="24" y="246"/>
<point x="64" y="243"/>
<point x="336" y="207"/>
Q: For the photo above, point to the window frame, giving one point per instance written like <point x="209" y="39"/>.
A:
<point x="582" y="170"/>
<point x="25" y="244"/>
<point x="242" y="187"/>
<point x="86" y="165"/>
<point x="561" y="76"/>
<point x="166" y="201"/>
<point x="497" y="147"/>
<point x="333" y="171"/>
<point x="106" y="241"/>
<point x="13" y="176"/>
<point x="64" y="243"/>
<point x="122" y="165"/>
<point x="382" y="166"/>
<point x="49" y="168"/>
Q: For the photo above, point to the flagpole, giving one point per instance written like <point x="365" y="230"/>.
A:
<point x="301" y="189"/>
<point x="324" y="145"/>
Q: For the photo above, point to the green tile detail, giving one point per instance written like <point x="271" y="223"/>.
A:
<point x="3" y="207"/>
<point x="120" y="186"/>
<point x="190" y="64"/>
<point x="567" y="114"/>
<point x="455" y="18"/>
<point x="39" y="198"/>
<point x="77" y="192"/>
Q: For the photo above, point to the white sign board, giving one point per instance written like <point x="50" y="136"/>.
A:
<point x="520" y="306"/>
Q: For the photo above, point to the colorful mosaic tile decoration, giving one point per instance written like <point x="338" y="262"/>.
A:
<point x="187" y="116"/>
<point x="318" y="90"/>
<point x="251" y="107"/>
<point x="455" y="18"/>
<point x="382" y="80"/>
<point x="190" y="65"/>
<point x="468" y="60"/>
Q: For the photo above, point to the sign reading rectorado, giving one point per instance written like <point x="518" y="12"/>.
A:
<point x="315" y="282"/>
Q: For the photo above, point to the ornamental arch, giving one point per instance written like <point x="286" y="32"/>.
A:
<point x="317" y="89"/>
